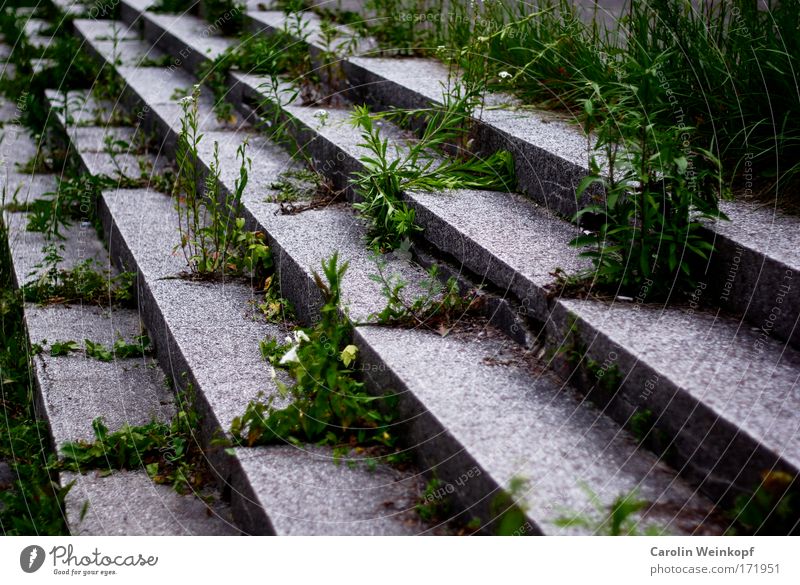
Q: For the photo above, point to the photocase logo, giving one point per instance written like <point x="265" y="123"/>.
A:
<point x="31" y="558"/>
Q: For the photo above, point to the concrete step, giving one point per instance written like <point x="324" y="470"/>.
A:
<point x="301" y="241"/>
<point x="750" y="263"/>
<point x="73" y="390"/>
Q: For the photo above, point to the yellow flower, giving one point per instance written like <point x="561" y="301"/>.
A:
<point x="349" y="355"/>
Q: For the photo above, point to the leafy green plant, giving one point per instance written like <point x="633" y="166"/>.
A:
<point x="169" y="452"/>
<point x="121" y="349"/>
<point x="213" y="239"/>
<point x="508" y="509"/>
<point x="75" y="199"/>
<point x="59" y="348"/>
<point x="772" y="509"/>
<point x="434" y="504"/>
<point x="386" y="177"/>
<point x="329" y="405"/>
<point x="620" y="518"/>
<point x="657" y="194"/>
<point x="274" y="307"/>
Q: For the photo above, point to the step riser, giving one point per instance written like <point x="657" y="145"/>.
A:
<point x="435" y="448"/>
<point x="708" y="450"/>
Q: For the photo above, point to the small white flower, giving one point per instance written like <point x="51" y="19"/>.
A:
<point x="273" y="374"/>
<point x="287" y="339"/>
<point x="290" y="357"/>
<point x="186" y="100"/>
<point x="322" y="116"/>
<point x="300" y="336"/>
<point x="504" y="75"/>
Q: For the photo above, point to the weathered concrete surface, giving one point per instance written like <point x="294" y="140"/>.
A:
<point x="128" y="503"/>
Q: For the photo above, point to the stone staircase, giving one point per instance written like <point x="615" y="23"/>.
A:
<point x="495" y="400"/>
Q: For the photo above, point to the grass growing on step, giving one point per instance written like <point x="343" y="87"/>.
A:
<point x="620" y="518"/>
<point x="87" y="282"/>
<point x="34" y="503"/>
<point x="255" y="55"/>
<point x="168" y="452"/>
<point x="328" y="403"/>
<point x="121" y="349"/>
<point x="658" y="192"/>
<point x="387" y="175"/>
<point x="283" y="53"/>
<point x="213" y="239"/>
<point x="72" y="67"/>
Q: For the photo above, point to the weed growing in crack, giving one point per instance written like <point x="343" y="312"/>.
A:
<point x="87" y="282"/>
<point x="437" y="306"/>
<point x="772" y="509"/>
<point x="169" y="452"/>
<point x="214" y="240"/>
<point x="61" y="348"/>
<point x="282" y="53"/>
<point x="387" y="176"/>
<point x="329" y="405"/>
<point x="620" y="518"/>
<point x="75" y="199"/>
<point x="434" y="505"/>
<point x="508" y="509"/>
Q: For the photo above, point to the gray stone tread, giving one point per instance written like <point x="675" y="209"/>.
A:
<point x="513" y="421"/>
<point x="749" y="381"/>
<point x="128" y="503"/>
